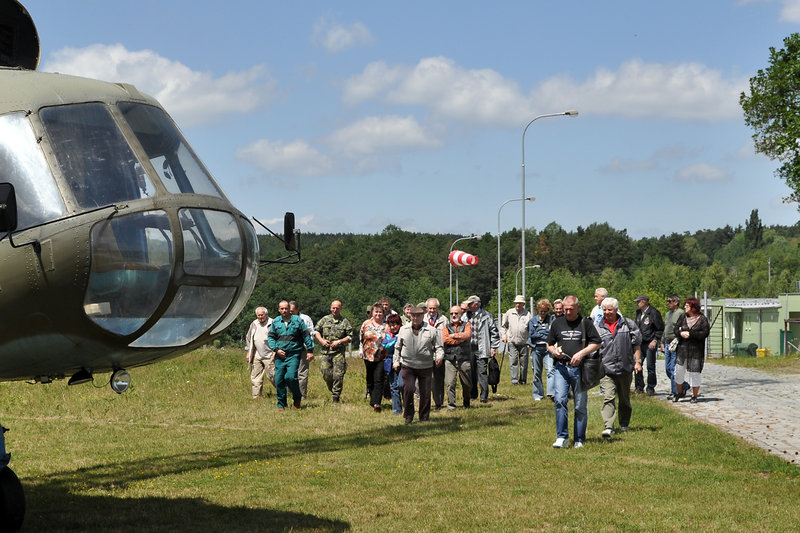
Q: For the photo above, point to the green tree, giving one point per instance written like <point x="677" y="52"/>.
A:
<point x="754" y="231"/>
<point x="772" y="109"/>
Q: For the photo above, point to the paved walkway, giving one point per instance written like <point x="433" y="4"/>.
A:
<point x="760" y="407"/>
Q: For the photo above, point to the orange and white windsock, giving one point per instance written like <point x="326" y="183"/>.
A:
<point x="459" y="258"/>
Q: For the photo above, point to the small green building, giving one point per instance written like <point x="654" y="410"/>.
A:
<point x="743" y="326"/>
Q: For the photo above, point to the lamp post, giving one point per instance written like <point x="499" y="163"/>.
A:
<point x="516" y="277"/>
<point x="499" y="308"/>
<point x="570" y="113"/>
<point x="477" y="237"/>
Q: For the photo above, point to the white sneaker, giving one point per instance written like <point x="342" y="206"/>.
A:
<point x="578" y="444"/>
<point x="560" y="443"/>
<point x="607" y="433"/>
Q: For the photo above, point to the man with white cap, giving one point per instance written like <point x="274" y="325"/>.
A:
<point x="514" y="332"/>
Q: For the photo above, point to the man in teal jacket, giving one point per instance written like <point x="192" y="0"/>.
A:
<point x="287" y="337"/>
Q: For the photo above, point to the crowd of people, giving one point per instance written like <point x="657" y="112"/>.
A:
<point x="420" y="356"/>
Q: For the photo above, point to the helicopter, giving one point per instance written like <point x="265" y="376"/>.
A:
<point x="118" y="248"/>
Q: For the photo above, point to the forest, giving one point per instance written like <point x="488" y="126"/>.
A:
<point x="750" y="260"/>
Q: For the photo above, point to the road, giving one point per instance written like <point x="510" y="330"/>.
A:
<point x="760" y="407"/>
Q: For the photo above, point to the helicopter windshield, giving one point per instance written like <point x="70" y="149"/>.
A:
<point x="93" y="155"/>
<point x="172" y="159"/>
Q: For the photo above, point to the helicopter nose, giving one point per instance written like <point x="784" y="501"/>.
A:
<point x="166" y="279"/>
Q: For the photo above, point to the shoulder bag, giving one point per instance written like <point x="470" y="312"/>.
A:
<point x="591" y="365"/>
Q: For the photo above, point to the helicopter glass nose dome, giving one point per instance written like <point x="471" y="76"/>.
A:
<point x="163" y="276"/>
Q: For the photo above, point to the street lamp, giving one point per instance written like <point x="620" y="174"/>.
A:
<point x="477" y="237"/>
<point x="570" y="113"/>
<point x="529" y="199"/>
<point x="516" y="277"/>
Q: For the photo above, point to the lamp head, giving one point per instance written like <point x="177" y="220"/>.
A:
<point x="571" y="113"/>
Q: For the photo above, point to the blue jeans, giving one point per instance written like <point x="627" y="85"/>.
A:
<point x="539" y="360"/>
<point x="396" y="388"/>
<point x="669" y="365"/>
<point x="566" y="377"/>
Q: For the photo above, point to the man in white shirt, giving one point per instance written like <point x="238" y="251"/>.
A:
<point x="258" y="353"/>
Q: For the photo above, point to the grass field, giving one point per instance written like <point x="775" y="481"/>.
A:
<point x="773" y="363"/>
<point x="186" y="449"/>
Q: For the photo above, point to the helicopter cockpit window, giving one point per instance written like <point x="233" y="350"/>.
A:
<point x="211" y="243"/>
<point x="95" y="159"/>
<point x="22" y="164"/>
<point x="174" y="162"/>
<point x="132" y="257"/>
<point x="251" y="275"/>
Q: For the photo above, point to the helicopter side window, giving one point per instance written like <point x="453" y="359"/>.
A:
<point x="95" y="159"/>
<point x="177" y="166"/>
<point x="22" y="164"/>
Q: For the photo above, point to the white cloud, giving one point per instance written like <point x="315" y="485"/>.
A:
<point x="700" y="172"/>
<point x="628" y="166"/>
<point x="293" y="159"/>
<point x="780" y="202"/>
<point x="376" y="78"/>
<point x="335" y="37"/>
<point x="790" y="9"/>
<point x="360" y="147"/>
<point x="790" y="12"/>
<point x="669" y="154"/>
<point x="636" y="89"/>
<point x="689" y="91"/>
<point x="746" y="151"/>
<point x="480" y="96"/>
<point x="375" y="134"/>
<point x="191" y="97"/>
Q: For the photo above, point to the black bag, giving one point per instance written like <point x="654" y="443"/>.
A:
<point x="591" y="366"/>
<point x="494" y="373"/>
<point x="591" y="371"/>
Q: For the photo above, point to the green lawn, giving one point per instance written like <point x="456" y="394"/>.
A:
<point x="773" y="363"/>
<point x="186" y="449"/>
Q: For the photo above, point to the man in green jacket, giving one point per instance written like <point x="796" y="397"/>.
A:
<point x="287" y="338"/>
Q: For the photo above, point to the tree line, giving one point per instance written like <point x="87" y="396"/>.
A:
<point x="745" y="261"/>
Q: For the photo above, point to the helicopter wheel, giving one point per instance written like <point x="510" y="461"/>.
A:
<point x="12" y="501"/>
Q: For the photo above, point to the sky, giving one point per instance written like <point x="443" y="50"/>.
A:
<point x="359" y="114"/>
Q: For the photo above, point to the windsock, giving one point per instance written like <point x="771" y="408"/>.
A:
<point x="459" y="258"/>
